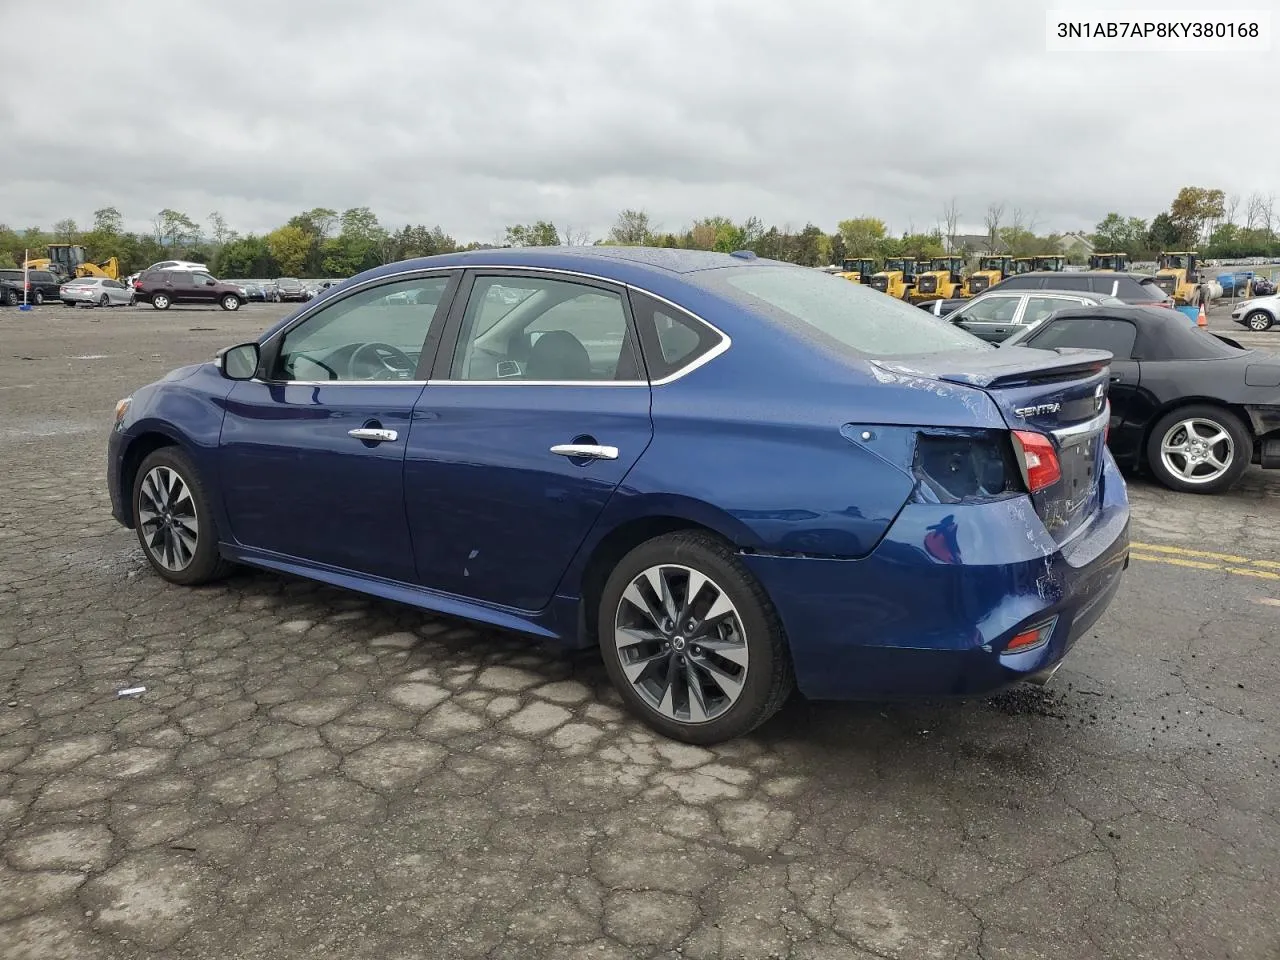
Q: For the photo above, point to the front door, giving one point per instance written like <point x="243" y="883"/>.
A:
<point x="540" y="410"/>
<point x="313" y="455"/>
<point x="993" y="317"/>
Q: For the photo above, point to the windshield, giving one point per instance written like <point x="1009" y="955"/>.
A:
<point x="852" y="315"/>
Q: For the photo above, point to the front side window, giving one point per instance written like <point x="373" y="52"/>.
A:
<point x="1092" y="333"/>
<point x="854" y="316"/>
<point x="374" y="335"/>
<point x="539" y="329"/>
<point x="200" y="279"/>
<point x="994" y="309"/>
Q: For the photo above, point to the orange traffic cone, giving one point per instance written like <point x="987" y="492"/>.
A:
<point x="1202" y="320"/>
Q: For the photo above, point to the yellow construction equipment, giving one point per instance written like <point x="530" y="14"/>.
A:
<point x="66" y="260"/>
<point x="898" y="278"/>
<point x="1177" y="276"/>
<point x="1113" y="262"/>
<point x="1054" y="263"/>
<point x="857" y="269"/>
<point x="939" y="279"/>
<point x="991" y="270"/>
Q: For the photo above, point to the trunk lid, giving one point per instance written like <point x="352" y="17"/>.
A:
<point x="1062" y="395"/>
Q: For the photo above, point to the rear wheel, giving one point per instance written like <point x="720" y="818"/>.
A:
<point x="173" y="520"/>
<point x="104" y="301"/>
<point x="160" y="301"/>
<point x="691" y="640"/>
<point x="1259" y="320"/>
<point x="1199" y="449"/>
<point x="38" y="299"/>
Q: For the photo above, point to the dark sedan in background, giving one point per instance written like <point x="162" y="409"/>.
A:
<point x="1139" y="289"/>
<point x="675" y="455"/>
<point x="1192" y="407"/>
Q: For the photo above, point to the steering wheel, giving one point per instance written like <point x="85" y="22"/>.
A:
<point x="372" y="361"/>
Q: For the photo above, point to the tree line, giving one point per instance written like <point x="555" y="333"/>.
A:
<point x="323" y="242"/>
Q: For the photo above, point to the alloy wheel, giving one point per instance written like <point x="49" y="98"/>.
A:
<point x="167" y="518"/>
<point x="1259" y="321"/>
<point x="1197" y="450"/>
<point x="681" y="643"/>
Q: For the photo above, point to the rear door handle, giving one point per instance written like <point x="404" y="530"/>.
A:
<point x="585" y="451"/>
<point x="372" y="433"/>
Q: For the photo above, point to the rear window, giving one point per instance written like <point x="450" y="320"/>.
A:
<point x="1090" y="333"/>
<point x="854" y="316"/>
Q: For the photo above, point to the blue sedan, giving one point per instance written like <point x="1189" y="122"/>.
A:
<point x="735" y="476"/>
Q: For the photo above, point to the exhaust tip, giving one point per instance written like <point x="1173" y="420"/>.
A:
<point x="1042" y="678"/>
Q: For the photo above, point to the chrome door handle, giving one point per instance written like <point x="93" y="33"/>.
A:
<point x="587" y="451"/>
<point x="372" y="433"/>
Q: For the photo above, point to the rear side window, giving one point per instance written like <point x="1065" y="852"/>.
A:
<point x="1090" y="333"/>
<point x="670" y="338"/>
<point x="1083" y="284"/>
<point x="1021" y="283"/>
<point x="1131" y="289"/>
<point x="823" y="307"/>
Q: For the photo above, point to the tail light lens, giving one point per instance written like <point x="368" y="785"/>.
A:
<point x="965" y="465"/>
<point x="1037" y="458"/>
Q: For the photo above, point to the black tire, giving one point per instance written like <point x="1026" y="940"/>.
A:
<point x="1241" y="448"/>
<point x="105" y="301"/>
<point x="1258" y="320"/>
<point x="11" y="297"/>
<point x="160" y="301"/>
<point x="769" y="675"/>
<point x="38" y="299"/>
<point x="230" y="302"/>
<point x="206" y="564"/>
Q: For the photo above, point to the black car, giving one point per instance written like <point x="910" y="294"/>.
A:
<point x="288" y="289"/>
<point x="1192" y="407"/>
<point x="1136" y="288"/>
<point x="41" y="286"/>
<point x="163" y="288"/>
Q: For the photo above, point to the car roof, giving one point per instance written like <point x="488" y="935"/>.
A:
<point x="1083" y="273"/>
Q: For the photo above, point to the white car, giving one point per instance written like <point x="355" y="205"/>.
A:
<point x="95" y="291"/>
<point x="1259" y="314"/>
<point x="170" y="265"/>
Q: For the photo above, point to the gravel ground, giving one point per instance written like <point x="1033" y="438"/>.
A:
<point x="311" y="772"/>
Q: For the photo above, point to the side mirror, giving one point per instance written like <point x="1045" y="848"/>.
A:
<point x="239" y="362"/>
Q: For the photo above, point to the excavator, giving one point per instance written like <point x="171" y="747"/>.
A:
<point x="938" y="279"/>
<point x="1110" y="262"/>
<point x="1176" y="275"/>
<point x="898" y="278"/>
<point x="857" y="269"/>
<point x="991" y="270"/>
<point x="65" y="260"/>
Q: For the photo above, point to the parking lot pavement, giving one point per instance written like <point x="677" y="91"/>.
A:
<point x="311" y="772"/>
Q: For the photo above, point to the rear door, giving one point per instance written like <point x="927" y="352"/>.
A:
<point x="993" y="317"/>
<point x="537" y="410"/>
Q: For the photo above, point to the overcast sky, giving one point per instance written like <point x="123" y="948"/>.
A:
<point x="477" y="114"/>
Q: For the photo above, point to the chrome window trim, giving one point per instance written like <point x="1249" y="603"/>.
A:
<point x="725" y="341"/>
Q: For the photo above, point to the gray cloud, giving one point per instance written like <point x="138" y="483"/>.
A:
<point x="480" y="114"/>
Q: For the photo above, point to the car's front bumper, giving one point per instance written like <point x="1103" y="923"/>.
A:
<point x="902" y="623"/>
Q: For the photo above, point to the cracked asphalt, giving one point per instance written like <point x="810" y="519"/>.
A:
<point x="314" y="773"/>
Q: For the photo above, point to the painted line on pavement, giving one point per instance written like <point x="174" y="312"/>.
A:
<point x="1205" y="560"/>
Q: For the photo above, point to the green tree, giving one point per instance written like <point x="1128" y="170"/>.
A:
<point x="289" y="245"/>
<point x="1164" y="233"/>
<point x="863" y="236"/>
<point x="1193" y="210"/>
<point x="66" y="231"/>
<point x="221" y="233"/>
<point x="245" y="257"/>
<point x="632" y="228"/>
<point x="539" y="234"/>
<point x="108" y="222"/>
<point x="174" y="229"/>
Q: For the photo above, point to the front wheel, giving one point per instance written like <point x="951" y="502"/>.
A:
<point x="160" y="301"/>
<point x="1259" y="320"/>
<point x="691" y="640"/>
<point x="173" y="520"/>
<point x="1199" y="449"/>
<point x="230" y="302"/>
